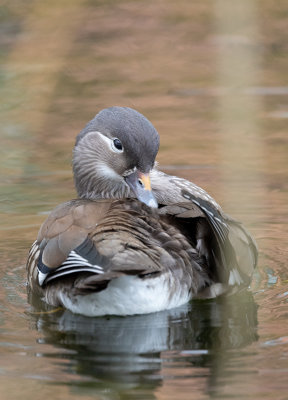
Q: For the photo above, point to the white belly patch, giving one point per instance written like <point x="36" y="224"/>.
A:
<point x="129" y="295"/>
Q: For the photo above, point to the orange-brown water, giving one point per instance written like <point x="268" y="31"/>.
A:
<point x="212" y="78"/>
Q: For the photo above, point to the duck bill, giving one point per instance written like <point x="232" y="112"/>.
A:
<point x="140" y="184"/>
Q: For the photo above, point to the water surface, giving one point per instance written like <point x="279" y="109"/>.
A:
<point x="213" y="80"/>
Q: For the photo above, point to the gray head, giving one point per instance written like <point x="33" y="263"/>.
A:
<point x="114" y="154"/>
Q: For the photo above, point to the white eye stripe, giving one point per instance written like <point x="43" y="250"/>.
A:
<point x="110" y="142"/>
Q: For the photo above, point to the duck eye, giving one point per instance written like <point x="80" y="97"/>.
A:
<point x="117" y="145"/>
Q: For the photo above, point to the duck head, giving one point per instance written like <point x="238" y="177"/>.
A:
<point x="114" y="154"/>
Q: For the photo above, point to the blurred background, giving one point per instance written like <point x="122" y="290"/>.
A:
<point x="212" y="78"/>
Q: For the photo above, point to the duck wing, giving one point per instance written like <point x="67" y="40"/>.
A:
<point x="62" y="245"/>
<point x="228" y="249"/>
<point x="84" y="244"/>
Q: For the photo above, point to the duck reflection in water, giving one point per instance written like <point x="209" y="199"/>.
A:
<point x="129" y="351"/>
